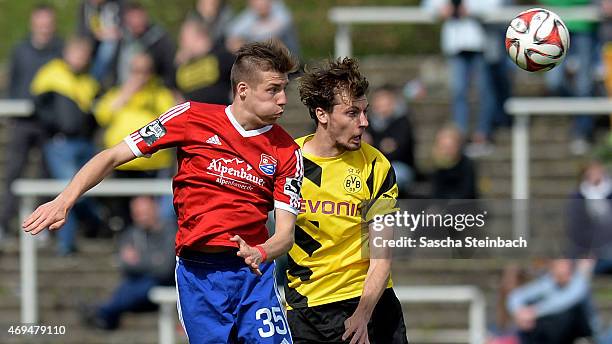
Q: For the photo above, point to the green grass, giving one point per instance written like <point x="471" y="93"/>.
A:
<point x="315" y="31"/>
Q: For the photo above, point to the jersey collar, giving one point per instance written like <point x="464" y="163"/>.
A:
<point x="240" y="129"/>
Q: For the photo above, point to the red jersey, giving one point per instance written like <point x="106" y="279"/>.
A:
<point x="228" y="178"/>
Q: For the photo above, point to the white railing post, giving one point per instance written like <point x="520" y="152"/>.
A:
<point x="343" y="41"/>
<point x="478" y="319"/>
<point x="166" y="323"/>
<point x="520" y="176"/>
<point x="27" y="258"/>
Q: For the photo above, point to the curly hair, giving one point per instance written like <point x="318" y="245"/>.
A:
<point x="319" y="85"/>
<point x="271" y="55"/>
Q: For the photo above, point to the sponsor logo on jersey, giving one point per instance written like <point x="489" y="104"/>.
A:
<point x="152" y="132"/>
<point x="267" y="164"/>
<point x="234" y="172"/>
<point x="330" y="207"/>
<point x="214" y="140"/>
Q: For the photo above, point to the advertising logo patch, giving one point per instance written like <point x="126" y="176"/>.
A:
<point x="267" y="164"/>
<point x="152" y="132"/>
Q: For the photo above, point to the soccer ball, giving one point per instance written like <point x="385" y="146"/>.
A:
<point x="537" y="40"/>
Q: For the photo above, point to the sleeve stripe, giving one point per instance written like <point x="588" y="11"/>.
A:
<point x="133" y="147"/>
<point x="173" y="112"/>
<point x="299" y="165"/>
<point x="285" y="206"/>
<point x="388" y="183"/>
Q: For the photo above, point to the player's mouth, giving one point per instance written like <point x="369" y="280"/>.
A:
<point x="356" y="139"/>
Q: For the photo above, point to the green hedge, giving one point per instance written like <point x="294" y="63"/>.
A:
<point x="315" y="31"/>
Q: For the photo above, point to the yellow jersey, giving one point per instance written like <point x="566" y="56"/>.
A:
<point x="329" y="261"/>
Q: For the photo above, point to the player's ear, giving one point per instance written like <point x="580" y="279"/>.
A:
<point x="322" y="115"/>
<point x="241" y="89"/>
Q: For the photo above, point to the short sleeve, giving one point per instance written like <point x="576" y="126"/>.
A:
<point x="288" y="183"/>
<point x="383" y="189"/>
<point x="168" y="130"/>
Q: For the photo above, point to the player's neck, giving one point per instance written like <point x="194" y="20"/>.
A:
<point x="246" y="119"/>
<point x="322" y="145"/>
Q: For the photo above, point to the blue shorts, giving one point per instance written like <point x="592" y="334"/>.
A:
<point x="221" y="301"/>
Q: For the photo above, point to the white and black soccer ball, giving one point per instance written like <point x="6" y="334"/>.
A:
<point x="537" y="40"/>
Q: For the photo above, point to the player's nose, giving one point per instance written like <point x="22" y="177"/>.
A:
<point x="363" y="120"/>
<point x="281" y="98"/>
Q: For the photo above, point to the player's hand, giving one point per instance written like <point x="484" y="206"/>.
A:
<point x="357" y="326"/>
<point x="252" y="256"/>
<point x="50" y="215"/>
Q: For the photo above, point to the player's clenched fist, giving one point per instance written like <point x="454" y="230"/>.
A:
<point x="51" y="214"/>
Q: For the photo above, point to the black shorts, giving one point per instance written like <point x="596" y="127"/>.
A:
<point x="325" y="323"/>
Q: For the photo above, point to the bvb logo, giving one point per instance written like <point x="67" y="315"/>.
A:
<point x="352" y="183"/>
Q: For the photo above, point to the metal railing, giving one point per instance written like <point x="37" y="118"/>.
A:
<point x="522" y="109"/>
<point x="345" y="17"/>
<point x="29" y="189"/>
<point x="16" y="108"/>
<point x="166" y="298"/>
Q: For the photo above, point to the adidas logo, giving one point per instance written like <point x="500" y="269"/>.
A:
<point x="214" y="140"/>
<point x="284" y="341"/>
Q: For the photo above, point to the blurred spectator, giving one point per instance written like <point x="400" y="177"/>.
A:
<point x="499" y="69"/>
<point x="146" y="254"/>
<point x="463" y="41"/>
<point x="263" y="20"/>
<point x="41" y="46"/>
<point x="590" y="217"/>
<point x="454" y="175"/>
<point x="554" y="309"/>
<point x="100" y="21"/>
<point x="605" y="37"/>
<point x="140" y="35"/>
<point x="215" y="15"/>
<point x="504" y="331"/>
<point x="132" y="105"/>
<point x="579" y="63"/>
<point x="203" y="68"/>
<point x="391" y="132"/>
<point x="64" y="94"/>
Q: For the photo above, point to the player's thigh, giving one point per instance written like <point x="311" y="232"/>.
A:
<point x="202" y="305"/>
<point x="261" y="317"/>
<point x="387" y="324"/>
<point x="321" y="324"/>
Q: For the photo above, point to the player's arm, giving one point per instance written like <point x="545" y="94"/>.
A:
<point x="278" y="244"/>
<point x="287" y="187"/>
<point x="282" y="239"/>
<point x="53" y="214"/>
<point x="375" y="284"/>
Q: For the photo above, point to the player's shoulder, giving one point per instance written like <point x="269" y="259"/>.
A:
<point x="301" y="140"/>
<point x="205" y="108"/>
<point x="281" y="138"/>
<point x="372" y="154"/>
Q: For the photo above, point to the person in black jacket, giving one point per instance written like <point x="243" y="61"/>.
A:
<point x="63" y="96"/>
<point x="454" y="176"/>
<point x="203" y="67"/>
<point x="100" y="21"/>
<point x="589" y="217"/>
<point x="139" y="34"/>
<point x="41" y="46"/>
<point x="391" y="132"/>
